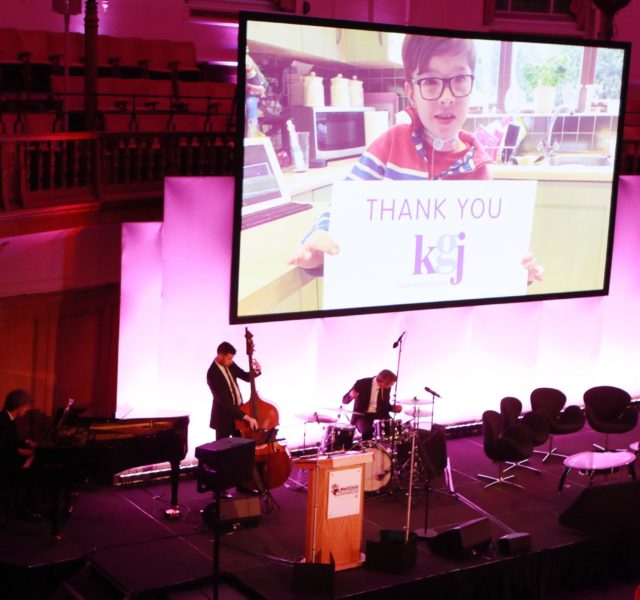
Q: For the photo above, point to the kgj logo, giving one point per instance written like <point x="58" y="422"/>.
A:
<point x="446" y="257"/>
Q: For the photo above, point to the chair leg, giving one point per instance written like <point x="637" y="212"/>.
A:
<point x="551" y="451"/>
<point x="523" y="464"/>
<point x="500" y="478"/>
<point x="604" y="448"/>
<point x="448" y="477"/>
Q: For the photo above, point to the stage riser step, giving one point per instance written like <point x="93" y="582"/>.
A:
<point x="86" y="585"/>
<point x="90" y="585"/>
<point x="151" y="568"/>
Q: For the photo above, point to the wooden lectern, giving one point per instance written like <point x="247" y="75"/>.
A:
<point x="335" y="501"/>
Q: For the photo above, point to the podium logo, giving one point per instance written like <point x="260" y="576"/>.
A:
<point x="344" y="490"/>
<point x="445" y="257"/>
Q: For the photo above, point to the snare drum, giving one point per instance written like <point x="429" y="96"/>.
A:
<point x="386" y="429"/>
<point x="377" y="473"/>
<point x="337" y="438"/>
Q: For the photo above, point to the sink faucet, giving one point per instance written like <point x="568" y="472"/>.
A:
<point x="549" y="146"/>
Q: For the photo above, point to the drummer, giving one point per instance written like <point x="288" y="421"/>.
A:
<point x="372" y="397"/>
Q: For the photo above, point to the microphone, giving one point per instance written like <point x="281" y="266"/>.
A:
<point x="428" y="389"/>
<point x="395" y="344"/>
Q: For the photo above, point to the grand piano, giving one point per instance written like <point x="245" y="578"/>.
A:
<point x="79" y="448"/>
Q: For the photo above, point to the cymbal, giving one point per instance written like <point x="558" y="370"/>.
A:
<point x="315" y="418"/>
<point x="418" y="412"/>
<point x="414" y="401"/>
<point x="346" y="410"/>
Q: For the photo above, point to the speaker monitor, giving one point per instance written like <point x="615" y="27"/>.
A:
<point x="433" y="446"/>
<point x="517" y="542"/>
<point x="462" y="540"/>
<point x="225" y="463"/>
<point x="234" y="511"/>
<point x="606" y="507"/>
<point x="313" y="578"/>
<point x="392" y="554"/>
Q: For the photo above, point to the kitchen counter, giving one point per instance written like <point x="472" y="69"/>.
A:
<point x="313" y="179"/>
<point x="544" y="172"/>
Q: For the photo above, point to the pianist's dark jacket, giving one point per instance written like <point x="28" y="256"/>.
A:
<point x="9" y="444"/>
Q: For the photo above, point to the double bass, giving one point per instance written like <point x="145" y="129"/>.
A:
<point x="272" y="458"/>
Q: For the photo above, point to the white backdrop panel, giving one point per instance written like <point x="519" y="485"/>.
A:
<point x="175" y="306"/>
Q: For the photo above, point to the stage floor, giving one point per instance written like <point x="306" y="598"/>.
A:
<point x="117" y="543"/>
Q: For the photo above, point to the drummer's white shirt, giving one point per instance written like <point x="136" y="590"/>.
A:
<point x="373" y="399"/>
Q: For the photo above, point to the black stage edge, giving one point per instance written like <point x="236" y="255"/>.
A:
<point x="33" y="566"/>
<point x="489" y="576"/>
<point x="494" y="543"/>
<point x="148" y="568"/>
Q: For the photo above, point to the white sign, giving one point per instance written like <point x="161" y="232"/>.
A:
<point x="344" y="493"/>
<point x="407" y="242"/>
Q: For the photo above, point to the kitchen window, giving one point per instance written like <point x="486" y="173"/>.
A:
<point x="508" y="73"/>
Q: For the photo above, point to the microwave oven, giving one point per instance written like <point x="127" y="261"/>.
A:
<point x="335" y="131"/>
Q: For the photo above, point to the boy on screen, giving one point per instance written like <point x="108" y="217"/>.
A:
<point x="438" y="83"/>
<point x="439" y="77"/>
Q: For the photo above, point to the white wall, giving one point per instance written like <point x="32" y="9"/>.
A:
<point x="472" y="356"/>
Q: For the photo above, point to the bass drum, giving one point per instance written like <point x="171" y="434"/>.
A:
<point x="377" y="473"/>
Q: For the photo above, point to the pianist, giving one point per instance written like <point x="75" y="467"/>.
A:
<point x="14" y="452"/>
<point x="16" y="455"/>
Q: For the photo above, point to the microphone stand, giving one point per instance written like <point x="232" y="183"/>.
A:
<point x="410" y="493"/>
<point x="394" y="404"/>
<point x="297" y="482"/>
<point x="425" y="532"/>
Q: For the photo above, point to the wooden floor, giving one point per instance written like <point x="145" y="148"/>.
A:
<point x="117" y="542"/>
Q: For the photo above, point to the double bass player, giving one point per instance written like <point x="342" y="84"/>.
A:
<point x="222" y="379"/>
<point x="255" y="419"/>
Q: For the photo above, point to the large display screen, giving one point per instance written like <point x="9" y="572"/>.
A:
<point x="396" y="168"/>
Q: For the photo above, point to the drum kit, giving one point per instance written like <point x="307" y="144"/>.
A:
<point x="390" y="444"/>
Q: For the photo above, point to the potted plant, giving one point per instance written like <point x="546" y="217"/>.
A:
<point x="542" y="79"/>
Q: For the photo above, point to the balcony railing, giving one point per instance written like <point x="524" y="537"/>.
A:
<point x="63" y="169"/>
<point x="66" y="168"/>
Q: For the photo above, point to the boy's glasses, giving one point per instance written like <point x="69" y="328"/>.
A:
<point x="431" y="88"/>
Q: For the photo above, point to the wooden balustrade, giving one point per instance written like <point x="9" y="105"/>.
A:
<point x="66" y="168"/>
<point x="62" y="170"/>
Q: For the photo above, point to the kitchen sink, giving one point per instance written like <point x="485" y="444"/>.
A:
<point x="579" y="158"/>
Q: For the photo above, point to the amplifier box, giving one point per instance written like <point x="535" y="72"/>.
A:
<point x="224" y="463"/>
<point x="233" y="513"/>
